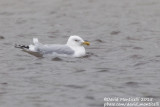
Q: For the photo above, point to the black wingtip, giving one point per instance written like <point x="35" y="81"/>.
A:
<point x="21" y="46"/>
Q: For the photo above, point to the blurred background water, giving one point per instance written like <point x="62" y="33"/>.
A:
<point x="122" y="61"/>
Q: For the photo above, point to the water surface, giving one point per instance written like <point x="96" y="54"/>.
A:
<point x="122" y="61"/>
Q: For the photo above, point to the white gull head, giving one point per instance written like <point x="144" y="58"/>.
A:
<point x="76" y="43"/>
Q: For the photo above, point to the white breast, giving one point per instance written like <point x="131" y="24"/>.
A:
<point x="79" y="51"/>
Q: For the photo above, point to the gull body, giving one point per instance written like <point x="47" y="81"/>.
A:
<point x="73" y="47"/>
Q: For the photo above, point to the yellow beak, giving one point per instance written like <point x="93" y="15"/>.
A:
<point x="86" y="43"/>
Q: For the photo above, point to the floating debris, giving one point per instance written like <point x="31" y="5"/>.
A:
<point x="138" y="48"/>
<point x="56" y="59"/>
<point x="4" y="83"/>
<point x="1" y="37"/>
<point x="99" y="40"/>
<point x="115" y="32"/>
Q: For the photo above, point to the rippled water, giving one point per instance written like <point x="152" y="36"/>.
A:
<point x="122" y="61"/>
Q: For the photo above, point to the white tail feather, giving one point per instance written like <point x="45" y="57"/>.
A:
<point x="35" y="40"/>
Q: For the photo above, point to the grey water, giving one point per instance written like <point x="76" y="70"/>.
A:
<point x="123" y="59"/>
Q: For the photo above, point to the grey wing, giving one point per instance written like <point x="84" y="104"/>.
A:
<point x="59" y="49"/>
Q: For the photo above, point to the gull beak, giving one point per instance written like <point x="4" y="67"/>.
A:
<point x="85" y="43"/>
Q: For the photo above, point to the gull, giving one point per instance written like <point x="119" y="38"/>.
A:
<point x="74" y="47"/>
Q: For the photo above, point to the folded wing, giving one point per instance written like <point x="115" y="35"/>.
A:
<point x="57" y="49"/>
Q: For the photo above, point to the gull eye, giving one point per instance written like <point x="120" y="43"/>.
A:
<point x="76" y="40"/>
